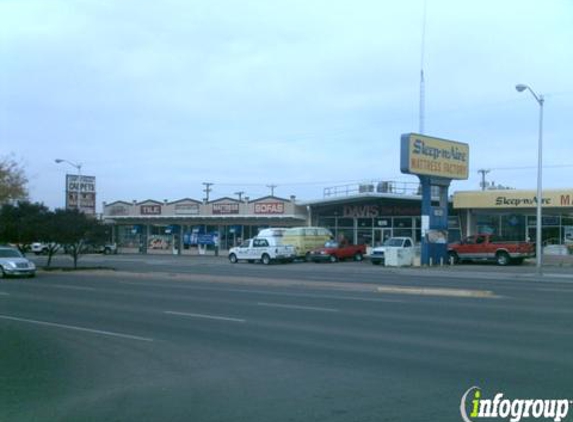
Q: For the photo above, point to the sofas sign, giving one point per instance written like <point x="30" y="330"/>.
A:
<point x="269" y="208"/>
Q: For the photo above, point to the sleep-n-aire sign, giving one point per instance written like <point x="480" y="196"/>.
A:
<point x="435" y="157"/>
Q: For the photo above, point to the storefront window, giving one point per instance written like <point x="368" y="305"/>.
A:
<point x="345" y="222"/>
<point x="364" y="222"/>
<point x="402" y="222"/>
<point x="487" y="224"/>
<point x="513" y="227"/>
<point x="383" y="222"/>
<point x="345" y="234"/>
<point x="127" y="237"/>
<point x="403" y="232"/>
<point x="326" y="222"/>
<point x="364" y="237"/>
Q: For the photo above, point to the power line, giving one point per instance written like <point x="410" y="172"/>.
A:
<point x="531" y="167"/>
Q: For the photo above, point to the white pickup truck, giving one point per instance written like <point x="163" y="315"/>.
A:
<point x="264" y="249"/>
<point x="377" y="256"/>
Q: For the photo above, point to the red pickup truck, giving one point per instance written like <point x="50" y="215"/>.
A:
<point x="333" y="252"/>
<point x="488" y="247"/>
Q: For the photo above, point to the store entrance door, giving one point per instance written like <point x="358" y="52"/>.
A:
<point x="381" y="236"/>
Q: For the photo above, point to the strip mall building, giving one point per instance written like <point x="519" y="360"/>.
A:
<point x="366" y="213"/>
<point x="512" y="214"/>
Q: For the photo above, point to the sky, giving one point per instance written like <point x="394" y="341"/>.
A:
<point x="155" y="98"/>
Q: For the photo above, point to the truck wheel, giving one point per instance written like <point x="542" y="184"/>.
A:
<point x="266" y="259"/>
<point x="333" y="258"/>
<point x="502" y="258"/>
<point x="358" y="257"/>
<point x="453" y="257"/>
<point x="2" y="273"/>
<point x="233" y="258"/>
<point x="375" y="262"/>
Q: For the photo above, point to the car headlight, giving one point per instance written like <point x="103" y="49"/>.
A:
<point x="31" y="265"/>
<point x="11" y="264"/>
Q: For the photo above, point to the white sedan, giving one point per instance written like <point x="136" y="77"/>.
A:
<point x="12" y="262"/>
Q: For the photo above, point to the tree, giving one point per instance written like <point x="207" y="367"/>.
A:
<point x="78" y="232"/>
<point x="12" y="181"/>
<point x="22" y="223"/>
<point x="48" y="235"/>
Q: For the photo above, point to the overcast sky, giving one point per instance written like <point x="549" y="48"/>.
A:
<point x="156" y="97"/>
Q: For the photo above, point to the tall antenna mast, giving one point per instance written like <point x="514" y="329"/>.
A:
<point x="422" y="81"/>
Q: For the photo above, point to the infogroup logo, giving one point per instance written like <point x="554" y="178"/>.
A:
<point x="514" y="409"/>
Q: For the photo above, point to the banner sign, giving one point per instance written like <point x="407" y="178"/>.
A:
<point x="426" y="156"/>
<point x="187" y="209"/>
<point x="225" y="208"/>
<point x="513" y="199"/>
<point x="269" y="208"/>
<point x="150" y="209"/>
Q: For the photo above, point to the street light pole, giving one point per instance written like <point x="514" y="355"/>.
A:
<point x="78" y="167"/>
<point x="538" y="241"/>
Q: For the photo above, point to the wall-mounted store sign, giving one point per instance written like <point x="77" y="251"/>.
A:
<point x="118" y="210"/>
<point x="187" y="209"/>
<point x="150" y="209"/>
<point x="373" y="211"/>
<point x="269" y="208"/>
<point x="426" y="156"/>
<point x="225" y="208"/>
<point x="513" y="199"/>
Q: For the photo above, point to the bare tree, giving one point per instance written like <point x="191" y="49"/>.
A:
<point x="12" y="180"/>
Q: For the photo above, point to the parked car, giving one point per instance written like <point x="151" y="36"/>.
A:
<point x="489" y="247"/>
<point x="12" y="262"/>
<point x="305" y="239"/>
<point x="39" y="248"/>
<point x="378" y="254"/>
<point x="334" y="251"/>
<point x="107" y="249"/>
<point x="264" y="249"/>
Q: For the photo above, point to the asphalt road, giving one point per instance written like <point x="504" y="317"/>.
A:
<point x="168" y="339"/>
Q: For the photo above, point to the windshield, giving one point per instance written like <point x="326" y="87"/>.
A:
<point x="393" y="242"/>
<point x="10" y="253"/>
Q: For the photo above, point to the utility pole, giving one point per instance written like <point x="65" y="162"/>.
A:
<point x="272" y="188"/>
<point x="207" y="190"/>
<point x="483" y="183"/>
<point x="240" y="195"/>
<point x="422" y="115"/>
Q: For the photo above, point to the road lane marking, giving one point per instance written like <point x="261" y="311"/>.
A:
<point x="215" y="317"/>
<point x="65" y="286"/>
<point x="73" y="327"/>
<point x="437" y="291"/>
<point x="4" y="294"/>
<point x="267" y="292"/>
<point x="297" y="307"/>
